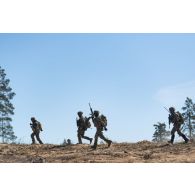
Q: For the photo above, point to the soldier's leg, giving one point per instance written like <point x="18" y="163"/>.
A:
<point x="183" y="136"/>
<point x="33" y="138"/>
<point x="79" y="138"/>
<point x="88" y="138"/>
<point x="96" y="140"/>
<point x="38" y="138"/>
<point x="109" y="142"/>
<point x="85" y="137"/>
<point x="173" y="135"/>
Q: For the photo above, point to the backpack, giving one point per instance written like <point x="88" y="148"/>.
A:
<point x="87" y="123"/>
<point x="104" y="120"/>
<point x="180" y="118"/>
<point x="39" y="126"/>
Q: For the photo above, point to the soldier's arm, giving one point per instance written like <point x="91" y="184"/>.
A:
<point x="77" y="122"/>
<point x="31" y="125"/>
<point x="41" y="128"/>
<point x="89" y="118"/>
<point x="169" y="120"/>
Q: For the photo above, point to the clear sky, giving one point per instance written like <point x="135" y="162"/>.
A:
<point x="127" y="77"/>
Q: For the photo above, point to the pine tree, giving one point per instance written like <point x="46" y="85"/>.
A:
<point x="160" y="134"/>
<point x="189" y="117"/>
<point x="6" y="109"/>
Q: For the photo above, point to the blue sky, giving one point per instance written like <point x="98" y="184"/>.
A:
<point x="128" y="77"/>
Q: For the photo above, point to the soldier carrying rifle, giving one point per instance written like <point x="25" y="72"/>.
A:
<point x="177" y="120"/>
<point x="100" y="122"/>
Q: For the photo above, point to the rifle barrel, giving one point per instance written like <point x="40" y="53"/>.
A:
<point x="166" y="109"/>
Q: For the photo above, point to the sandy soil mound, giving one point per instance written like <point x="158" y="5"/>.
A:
<point x="141" y="152"/>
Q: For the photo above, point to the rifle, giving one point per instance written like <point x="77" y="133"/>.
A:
<point x="167" y="110"/>
<point x="169" y="115"/>
<point x="92" y="114"/>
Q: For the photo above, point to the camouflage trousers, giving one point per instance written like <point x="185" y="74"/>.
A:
<point x="81" y="135"/>
<point x="177" y="128"/>
<point x="36" y="134"/>
<point x="99" y="134"/>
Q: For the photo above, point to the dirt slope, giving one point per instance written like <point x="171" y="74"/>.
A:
<point x="141" y="152"/>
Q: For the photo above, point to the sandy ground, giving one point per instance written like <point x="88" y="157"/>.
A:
<point x="141" y="152"/>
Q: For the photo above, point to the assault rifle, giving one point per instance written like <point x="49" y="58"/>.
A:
<point x="92" y="113"/>
<point x="169" y="115"/>
<point x="167" y="110"/>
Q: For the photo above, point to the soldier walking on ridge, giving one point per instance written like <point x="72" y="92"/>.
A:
<point x="100" y="122"/>
<point x="177" y="120"/>
<point x="83" y="124"/>
<point x="36" y="128"/>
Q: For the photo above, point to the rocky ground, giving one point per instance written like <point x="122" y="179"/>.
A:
<point x="141" y="152"/>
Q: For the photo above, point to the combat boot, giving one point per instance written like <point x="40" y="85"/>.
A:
<point x="91" y="140"/>
<point x="109" y="143"/>
<point x="186" y="140"/>
<point x="172" y="139"/>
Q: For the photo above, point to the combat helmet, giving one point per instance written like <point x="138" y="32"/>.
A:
<point x="80" y="113"/>
<point x="172" y="109"/>
<point x="96" y="113"/>
<point x="33" y="119"/>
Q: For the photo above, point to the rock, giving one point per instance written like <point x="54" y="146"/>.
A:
<point x="38" y="160"/>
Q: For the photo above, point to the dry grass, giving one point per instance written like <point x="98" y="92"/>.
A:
<point x="141" y="152"/>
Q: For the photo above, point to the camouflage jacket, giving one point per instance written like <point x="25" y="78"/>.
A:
<point x="83" y="123"/>
<point x="36" y="126"/>
<point x="176" y="118"/>
<point x="98" y="123"/>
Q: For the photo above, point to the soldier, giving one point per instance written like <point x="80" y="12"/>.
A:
<point x="100" y="126"/>
<point x="36" y="128"/>
<point x="177" y="120"/>
<point x="83" y="124"/>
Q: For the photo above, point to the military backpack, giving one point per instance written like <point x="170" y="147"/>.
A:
<point x="104" y="120"/>
<point x="180" y="118"/>
<point x="87" y="122"/>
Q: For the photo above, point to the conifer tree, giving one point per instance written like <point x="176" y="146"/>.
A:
<point x="6" y="109"/>
<point x="160" y="134"/>
<point x="189" y="117"/>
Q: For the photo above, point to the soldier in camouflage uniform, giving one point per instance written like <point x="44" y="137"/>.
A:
<point x="36" y="128"/>
<point x="83" y="124"/>
<point x="177" y="120"/>
<point x="100" y="126"/>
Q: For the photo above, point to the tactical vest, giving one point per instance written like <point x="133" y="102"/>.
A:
<point x="83" y="123"/>
<point x="180" y="118"/>
<point x="36" y="126"/>
<point x="104" y="120"/>
<point x="100" y="122"/>
<point x="177" y="118"/>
